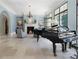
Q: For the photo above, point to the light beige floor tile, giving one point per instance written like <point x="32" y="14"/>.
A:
<point x="28" y="48"/>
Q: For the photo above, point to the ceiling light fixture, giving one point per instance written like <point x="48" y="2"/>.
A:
<point x="30" y="16"/>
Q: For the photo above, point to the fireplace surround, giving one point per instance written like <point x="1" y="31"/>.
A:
<point x="30" y="29"/>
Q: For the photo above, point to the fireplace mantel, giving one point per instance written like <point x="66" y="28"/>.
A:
<point x="27" y="25"/>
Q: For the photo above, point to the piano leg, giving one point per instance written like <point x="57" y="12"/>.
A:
<point x="63" y="48"/>
<point x="70" y="43"/>
<point x="54" y="49"/>
<point x="37" y="38"/>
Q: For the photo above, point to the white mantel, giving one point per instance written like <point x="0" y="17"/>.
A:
<point x="29" y="25"/>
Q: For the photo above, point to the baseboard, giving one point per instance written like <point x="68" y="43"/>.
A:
<point x="13" y="34"/>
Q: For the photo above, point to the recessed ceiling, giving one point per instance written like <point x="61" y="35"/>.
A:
<point x="38" y="7"/>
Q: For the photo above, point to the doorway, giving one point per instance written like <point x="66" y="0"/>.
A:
<point x="5" y="25"/>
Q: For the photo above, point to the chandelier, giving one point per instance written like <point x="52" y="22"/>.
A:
<point x="30" y="16"/>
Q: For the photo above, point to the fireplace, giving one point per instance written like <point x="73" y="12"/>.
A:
<point x="30" y="30"/>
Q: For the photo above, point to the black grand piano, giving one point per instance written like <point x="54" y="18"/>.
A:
<point x="55" y="35"/>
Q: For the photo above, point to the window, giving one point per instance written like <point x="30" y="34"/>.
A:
<point x="61" y="15"/>
<point x="57" y="19"/>
<point x="64" y="7"/>
<point x="57" y="11"/>
<point x="63" y="19"/>
<point x="48" y="21"/>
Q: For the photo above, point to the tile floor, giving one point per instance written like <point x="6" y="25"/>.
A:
<point x="28" y="48"/>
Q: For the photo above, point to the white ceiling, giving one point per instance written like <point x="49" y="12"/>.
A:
<point x="38" y="7"/>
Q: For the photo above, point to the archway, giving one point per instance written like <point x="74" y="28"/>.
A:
<point x="5" y="23"/>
